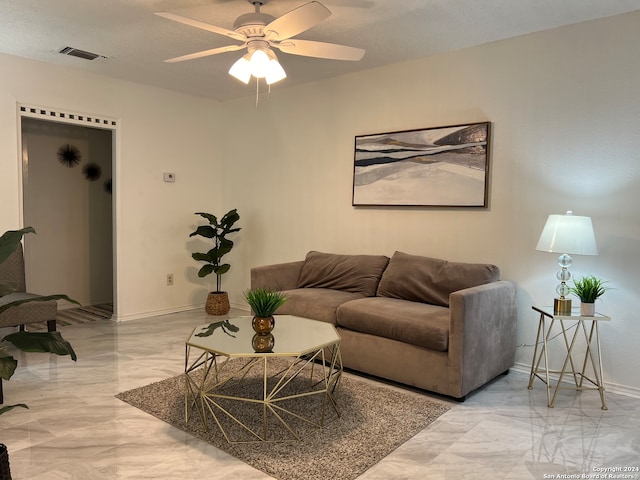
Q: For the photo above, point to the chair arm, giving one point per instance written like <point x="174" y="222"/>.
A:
<point x="482" y="338"/>
<point x="280" y="276"/>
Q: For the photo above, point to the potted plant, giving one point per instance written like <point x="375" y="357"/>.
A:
<point x="264" y="303"/>
<point x="588" y="289"/>
<point x="217" y="301"/>
<point x="24" y="341"/>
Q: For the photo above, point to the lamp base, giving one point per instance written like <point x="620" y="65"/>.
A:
<point x="562" y="306"/>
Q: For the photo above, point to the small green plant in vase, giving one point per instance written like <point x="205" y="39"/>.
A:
<point x="588" y="289"/>
<point x="264" y="303"/>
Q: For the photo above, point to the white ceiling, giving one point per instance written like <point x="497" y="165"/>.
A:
<point x="136" y="42"/>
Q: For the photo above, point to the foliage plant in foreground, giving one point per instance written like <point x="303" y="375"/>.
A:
<point x="51" y="342"/>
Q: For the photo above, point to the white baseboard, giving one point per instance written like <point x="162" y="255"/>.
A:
<point x="609" y="387"/>
<point x="156" y="313"/>
<point x="152" y="313"/>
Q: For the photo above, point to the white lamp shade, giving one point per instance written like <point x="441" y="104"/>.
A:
<point x="569" y="234"/>
<point x="241" y="69"/>
<point x="275" y="73"/>
<point x="259" y="63"/>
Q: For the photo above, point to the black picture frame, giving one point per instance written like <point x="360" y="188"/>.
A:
<point x="444" y="166"/>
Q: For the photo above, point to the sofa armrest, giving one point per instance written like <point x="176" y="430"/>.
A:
<point x="280" y="276"/>
<point x="482" y="336"/>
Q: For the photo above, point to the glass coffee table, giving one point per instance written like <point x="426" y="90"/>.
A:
<point x="258" y="388"/>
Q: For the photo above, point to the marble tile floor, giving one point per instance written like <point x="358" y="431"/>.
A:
<point x="76" y="429"/>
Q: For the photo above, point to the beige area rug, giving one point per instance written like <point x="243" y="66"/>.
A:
<point x="374" y="420"/>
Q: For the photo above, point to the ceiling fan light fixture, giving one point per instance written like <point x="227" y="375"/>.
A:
<point x="275" y="73"/>
<point x="260" y="32"/>
<point x="261" y="63"/>
<point x="241" y="69"/>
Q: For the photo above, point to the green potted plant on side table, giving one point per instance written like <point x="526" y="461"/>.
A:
<point x="588" y="289"/>
<point x="217" y="301"/>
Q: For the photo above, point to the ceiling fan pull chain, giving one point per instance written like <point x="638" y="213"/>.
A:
<point x="257" y="92"/>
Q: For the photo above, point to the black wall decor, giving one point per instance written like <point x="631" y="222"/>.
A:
<point x="69" y="155"/>
<point x="92" y="171"/>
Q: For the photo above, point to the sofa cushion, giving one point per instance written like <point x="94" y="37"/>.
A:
<point x="315" y="303"/>
<point x="349" y="273"/>
<point x="409" y="322"/>
<point x="431" y="280"/>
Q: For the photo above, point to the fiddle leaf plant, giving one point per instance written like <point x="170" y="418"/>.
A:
<point x="25" y="341"/>
<point x="216" y="231"/>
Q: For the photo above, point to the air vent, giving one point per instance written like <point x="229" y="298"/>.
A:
<point x="76" y="52"/>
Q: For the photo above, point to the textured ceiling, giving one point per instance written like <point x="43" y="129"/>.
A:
<point x="136" y="42"/>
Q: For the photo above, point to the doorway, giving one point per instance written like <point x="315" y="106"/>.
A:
<point x="67" y="187"/>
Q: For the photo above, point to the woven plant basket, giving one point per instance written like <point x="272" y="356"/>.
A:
<point x="217" y="303"/>
<point x="5" y="471"/>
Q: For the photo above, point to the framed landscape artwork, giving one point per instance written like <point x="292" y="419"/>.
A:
<point x="441" y="167"/>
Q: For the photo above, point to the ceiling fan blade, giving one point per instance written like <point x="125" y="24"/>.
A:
<point x="205" y="53"/>
<point x="296" y="21"/>
<point x="309" y="48"/>
<point x="202" y="25"/>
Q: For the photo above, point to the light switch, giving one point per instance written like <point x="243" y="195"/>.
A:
<point x="169" y="177"/>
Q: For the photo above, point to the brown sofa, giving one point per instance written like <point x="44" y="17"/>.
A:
<point x="441" y="326"/>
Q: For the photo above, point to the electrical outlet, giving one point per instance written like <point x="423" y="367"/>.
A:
<point x="169" y="279"/>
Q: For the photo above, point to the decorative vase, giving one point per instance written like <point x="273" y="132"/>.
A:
<point x="263" y="324"/>
<point x="217" y="303"/>
<point x="587" y="309"/>
<point x="263" y="342"/>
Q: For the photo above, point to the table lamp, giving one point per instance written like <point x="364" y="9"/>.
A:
<point x="568" y="235"/>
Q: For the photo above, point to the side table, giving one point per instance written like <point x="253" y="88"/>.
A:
<point x="580" y="323"/>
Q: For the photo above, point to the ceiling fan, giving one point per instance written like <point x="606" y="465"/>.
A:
<point x="260" y="33"/>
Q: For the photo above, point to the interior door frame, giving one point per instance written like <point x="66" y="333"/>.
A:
<point x="58" y="115"/>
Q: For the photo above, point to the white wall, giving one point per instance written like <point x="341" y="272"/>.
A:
<point x="566" y="129"/>
<point x="566" y="133"/>
<point x="159" y="131"/>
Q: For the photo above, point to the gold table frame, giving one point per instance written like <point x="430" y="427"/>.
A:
<point x="591" y="334"/>
<point x="207" y="371"/>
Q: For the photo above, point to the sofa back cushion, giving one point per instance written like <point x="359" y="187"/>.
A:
<point x="431" y="280"/>
<point x="349" y="273"/>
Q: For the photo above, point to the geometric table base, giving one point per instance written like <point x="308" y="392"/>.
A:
<point x="263" y="398"/>
<point x="540" y="364"/>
